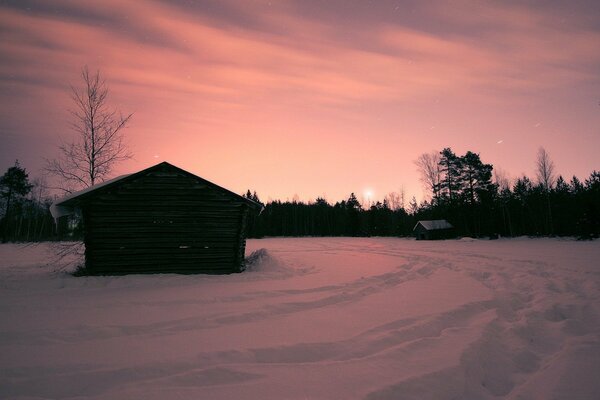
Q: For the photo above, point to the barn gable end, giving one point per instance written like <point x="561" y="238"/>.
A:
<point x="162" y="220"/>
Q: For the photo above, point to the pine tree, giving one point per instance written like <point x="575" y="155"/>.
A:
<point x="476" y="177"/>
<point x="576" y="185"/>
<point x="13" y="184"/>
<point x="352" y="203"/>
<point x="561" y="185"/>
<point x="353" y="209"/>
<point x="451" y="170"/>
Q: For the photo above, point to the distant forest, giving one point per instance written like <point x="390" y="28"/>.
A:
<point x="463" y="190"/>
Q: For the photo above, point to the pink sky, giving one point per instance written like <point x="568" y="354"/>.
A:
<point x="310" y="99"/>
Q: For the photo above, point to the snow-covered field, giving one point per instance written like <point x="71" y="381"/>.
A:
<point x="333" y="318"/>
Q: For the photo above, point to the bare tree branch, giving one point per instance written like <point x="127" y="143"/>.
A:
<point x="98" y="143"/>
<point x="545" y="172"/>
<point x="501" y="179"/>
<point x="429" y="171"/>
<point x="546" y="178"/>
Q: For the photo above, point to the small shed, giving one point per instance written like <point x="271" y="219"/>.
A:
<point x="160" y="220"/>
<point x="433" y="229"/>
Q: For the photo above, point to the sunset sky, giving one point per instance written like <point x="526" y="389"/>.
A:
<point x="310" y="98"/>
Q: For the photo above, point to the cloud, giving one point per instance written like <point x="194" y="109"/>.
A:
<point x="277" y="53"/>
<point x="224" y="75"/>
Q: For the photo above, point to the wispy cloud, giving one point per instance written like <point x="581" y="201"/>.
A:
<point x="264" y="68"/>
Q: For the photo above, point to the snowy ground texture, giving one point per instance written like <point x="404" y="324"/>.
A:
<point x="334" y="318"/>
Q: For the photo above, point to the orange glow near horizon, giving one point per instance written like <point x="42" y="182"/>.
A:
<point x="299" y="98"/>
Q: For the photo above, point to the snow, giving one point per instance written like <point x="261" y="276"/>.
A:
<point x="432" y="225"/>
<point x="57" y="210"/>
<point x="312" y="318"/>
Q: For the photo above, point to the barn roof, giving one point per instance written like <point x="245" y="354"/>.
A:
<point x="66" y="205"/>
<point x="435" y="224"/>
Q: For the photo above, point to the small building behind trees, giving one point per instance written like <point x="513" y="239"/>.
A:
<point x="433" y="229"/>
<point x="162" y="219"/>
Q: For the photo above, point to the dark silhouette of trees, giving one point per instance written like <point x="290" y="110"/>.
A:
<point x="479" y="208"/>
<point x="476" y="178"/>
<point x="450" y="182"/>
<point x="476" y="206"/>
<point x="98" y="143"/>
<point x="590" y="220"/>
<point x="477" y="190"/>
<point x="320" y="218"/>
<point x="466" y="193"/>
<point x="353" y="209"/>
<point x="14" y="184"/>
<point x="522" y="209"/>
<point x="24" y="218"/>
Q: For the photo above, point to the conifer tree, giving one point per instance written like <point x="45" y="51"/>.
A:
<point x="451" y="170"/>
<point x="13" y="184"/>
<point x="476" y="177"/>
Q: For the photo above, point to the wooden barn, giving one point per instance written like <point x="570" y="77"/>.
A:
<point x="160" y="220"/>
<point x="433" y="229"/>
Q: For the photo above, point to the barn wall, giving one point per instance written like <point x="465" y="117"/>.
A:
<point x="421" y="233"/>
<point x="164" y="222"/>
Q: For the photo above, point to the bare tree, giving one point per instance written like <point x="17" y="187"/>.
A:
<point x="429" y="170"/>
<point x="546" y="177"/>
<point x="545" y="169"/>
<point x="402" y="197"/>
<point x="393" y="200"/>
<point x="413" y="206"/>
<point x="98" y="143"/>
<point x="501" y="179"/>
<point x="38" y="196"/>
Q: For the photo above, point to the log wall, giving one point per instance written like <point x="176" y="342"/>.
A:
<point x="164" y="222"/>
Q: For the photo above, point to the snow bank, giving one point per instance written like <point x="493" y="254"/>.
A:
<point x="312" y="318"/>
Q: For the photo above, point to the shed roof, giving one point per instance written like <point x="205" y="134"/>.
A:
<point x="66" y="205"/>
<point x="434" y="224"/>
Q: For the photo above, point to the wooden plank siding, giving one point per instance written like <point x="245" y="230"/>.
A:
<point x="164" y="221"/>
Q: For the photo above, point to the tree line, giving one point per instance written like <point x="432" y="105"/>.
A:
<point x="463" y="190"/>
<point x="478" y="202"/>
<point x="319" y="218"/>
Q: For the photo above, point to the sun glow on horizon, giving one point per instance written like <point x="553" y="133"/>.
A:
<point x="368" y="196"/>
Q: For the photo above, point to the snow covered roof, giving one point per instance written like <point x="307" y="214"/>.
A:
<point x="58" y="211"/>
<point x="67" y="204"/>
<point x="434" y="224"/>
